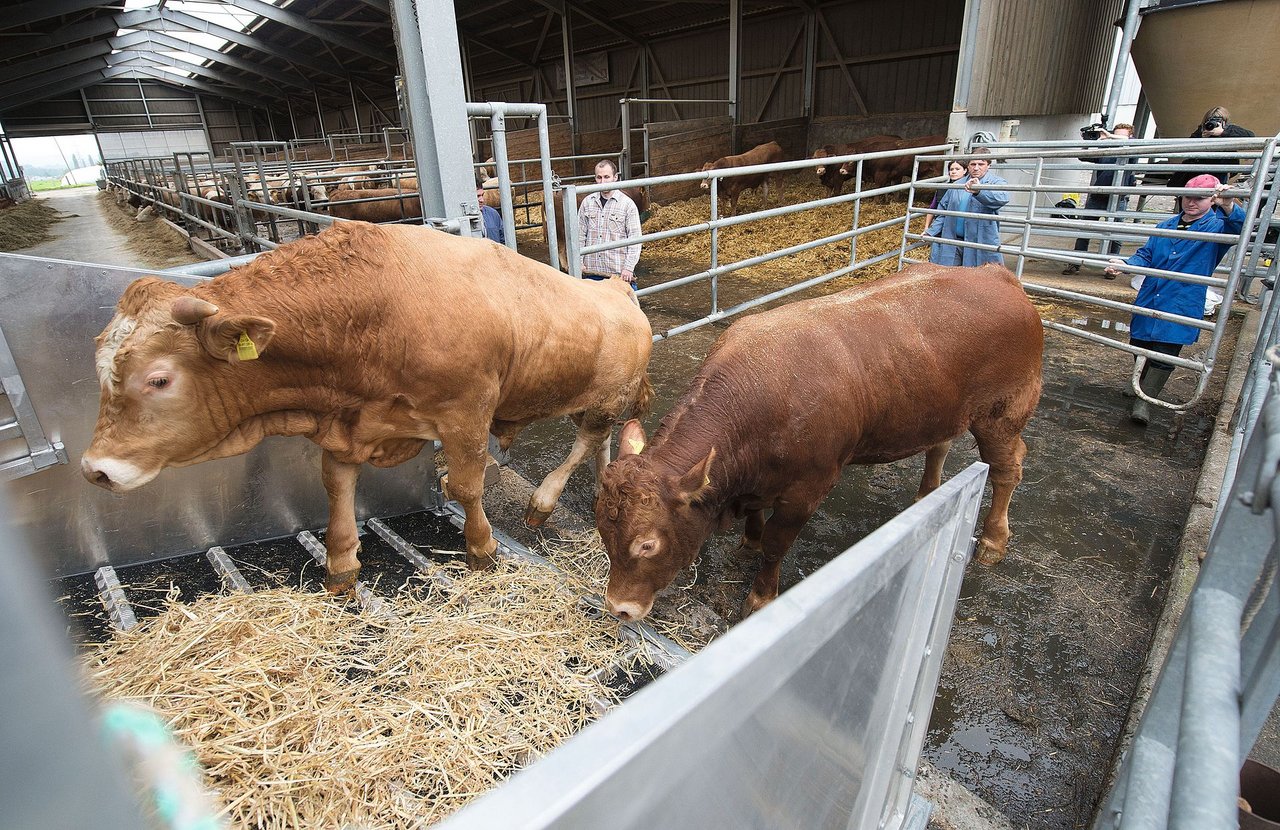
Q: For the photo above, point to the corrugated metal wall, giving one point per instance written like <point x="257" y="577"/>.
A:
<point x="1042" y="58"/>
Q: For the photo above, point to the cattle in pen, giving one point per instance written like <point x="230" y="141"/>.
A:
<point x="788" y="397"/>
<point x="731" y="188"/>
<point x="882" y="172"/>
<point x="833" y="176"/>
<point x="387" y="204"/>
<point x="371" y="342"/>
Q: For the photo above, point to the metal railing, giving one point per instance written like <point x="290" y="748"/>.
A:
<point x="715" y="271"/>
<point x="1024" y="217"/>
<point x="1222" y="674"/>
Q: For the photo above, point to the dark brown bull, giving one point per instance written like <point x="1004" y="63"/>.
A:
<point x="639" y="195"/>
<point x="833" y="177"/>
<point x="895" y="169"/>
<point x="788" y="397"/>
<point x="731" y="187"/>
<point x="370" y="341"/>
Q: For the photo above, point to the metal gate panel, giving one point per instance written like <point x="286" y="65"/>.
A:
<point x="808" y="714"/>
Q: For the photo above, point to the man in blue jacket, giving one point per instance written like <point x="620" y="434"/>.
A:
<point x="1210" y="213"/>
<point x="985" y="231"/>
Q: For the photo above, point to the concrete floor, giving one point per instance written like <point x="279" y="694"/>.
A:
<point x="84" y="235"/>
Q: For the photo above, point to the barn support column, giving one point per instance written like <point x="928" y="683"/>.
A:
<point x="570" y="82"/>
<point x="810" y="60"/>
<point x="958" y="123"/>
<point x="735" y="69"/>
<point x="437" y="107"/>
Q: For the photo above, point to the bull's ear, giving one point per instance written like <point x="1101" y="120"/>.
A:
<point x="695" y="483"/>
<point x="632" y="438"/>
<point x="224" y="336"/>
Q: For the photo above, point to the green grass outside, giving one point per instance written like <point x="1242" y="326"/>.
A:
<point x="50" y="184"/>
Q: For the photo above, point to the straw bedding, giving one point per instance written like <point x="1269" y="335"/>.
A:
<point x="26" y="224"/>
<point x="306" y="713"/>
<point x="154" y="243"/>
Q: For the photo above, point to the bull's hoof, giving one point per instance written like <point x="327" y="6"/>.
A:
<point x="747" y="551"/>
<point x="988" y="554"/>
<point x="481" y="563"/>
<point x="341" y="583"/>
<point x="754" y="603"/>
<point x="534" y="517"/>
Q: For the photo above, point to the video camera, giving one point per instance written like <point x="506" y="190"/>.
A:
<point x="1212" y="124"/>
<point x="1093" y="132"/>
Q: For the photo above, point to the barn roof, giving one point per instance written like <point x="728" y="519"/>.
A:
<point x="320" y="48"/>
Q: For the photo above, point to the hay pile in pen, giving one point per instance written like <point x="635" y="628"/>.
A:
<point x="26" y="224"/>
<point x="156" y="244"/>
<point x="755" y="238"/>
<point x="305" y="713"/>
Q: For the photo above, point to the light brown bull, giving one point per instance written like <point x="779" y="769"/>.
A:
<point x="369" y="341"/>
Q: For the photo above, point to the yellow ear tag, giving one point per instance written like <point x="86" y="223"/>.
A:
<point x="245" y="350"/>
<point x="636" y="446"/>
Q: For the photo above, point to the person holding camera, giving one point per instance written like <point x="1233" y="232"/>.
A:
<point x="1103" y="177"/>
<point x="1211" y="213"/>
<point x="1215" y="124"/>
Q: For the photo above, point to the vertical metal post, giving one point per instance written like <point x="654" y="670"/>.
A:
<point x="715" y="244"/>
<point x="958" y="123"/>
<point x="735" y="36"/>
<point x="498" y="129"/>
<point x="437" y="108"/>
<point x="1121" y="61"/>
<point x="293" y="122"/>
<point x="572" y="249"/>
<point x="320" y="131"/>
<point x="625" y="160"/>
<point x="548" y="193"/>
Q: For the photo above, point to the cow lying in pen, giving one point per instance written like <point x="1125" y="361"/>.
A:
<point x="370" y="341"/>
<point x="788" y="397"/>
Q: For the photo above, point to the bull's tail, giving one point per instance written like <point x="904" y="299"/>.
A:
<point x="644" y="398"/>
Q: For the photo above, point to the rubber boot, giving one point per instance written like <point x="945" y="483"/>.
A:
<point x="1153" y="380"/>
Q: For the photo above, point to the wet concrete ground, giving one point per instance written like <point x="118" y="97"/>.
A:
<point x="84" y="235"/>
<point x="1047" y="647"/>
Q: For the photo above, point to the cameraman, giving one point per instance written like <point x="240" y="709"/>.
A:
<point x="1215" y="124"/>
<point x="1103" y="177"/>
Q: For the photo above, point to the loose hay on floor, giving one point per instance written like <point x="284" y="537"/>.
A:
<point x="27" y="224"/>
<point x="156" y="244"/>
<point x="304" y="713"/>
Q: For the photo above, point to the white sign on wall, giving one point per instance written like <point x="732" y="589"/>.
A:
<point x="587" y="70"/>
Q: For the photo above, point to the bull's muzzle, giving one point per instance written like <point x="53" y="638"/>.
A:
<point x="112" y="473"/>
<point x="628" y="610"/>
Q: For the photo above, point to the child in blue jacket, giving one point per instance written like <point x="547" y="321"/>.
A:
<point x="1205" y="214"/>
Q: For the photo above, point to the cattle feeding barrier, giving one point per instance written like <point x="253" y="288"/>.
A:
<point x="1040" y="173"/>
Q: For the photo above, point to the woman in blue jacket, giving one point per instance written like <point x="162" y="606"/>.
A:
<point x="1205" y="214"/>
<point x="948" y="227"/>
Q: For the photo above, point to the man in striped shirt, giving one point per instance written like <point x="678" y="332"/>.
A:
<point x="609" y="216"/>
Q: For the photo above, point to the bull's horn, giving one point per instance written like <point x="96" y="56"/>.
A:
<point x="190" y="310"/>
